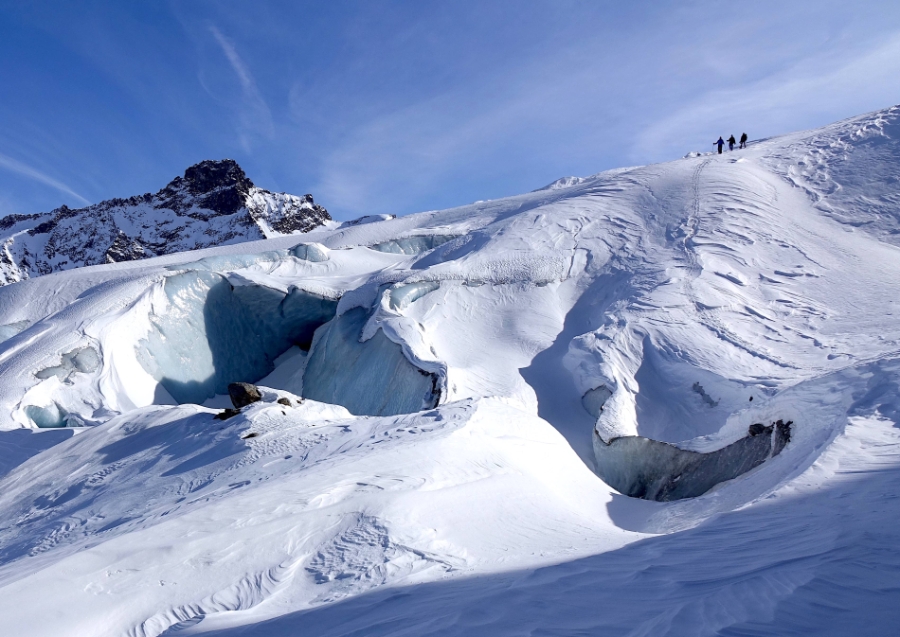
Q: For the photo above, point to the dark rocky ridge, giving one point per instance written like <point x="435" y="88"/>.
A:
<point x="219" y="186"/>
<point x="214" y="203"/>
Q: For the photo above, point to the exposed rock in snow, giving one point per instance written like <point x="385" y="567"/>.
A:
<point x="214" y="204"/>
<point x="243" y="394"/>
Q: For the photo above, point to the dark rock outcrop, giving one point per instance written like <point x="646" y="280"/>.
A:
<point x="243" y="394"/>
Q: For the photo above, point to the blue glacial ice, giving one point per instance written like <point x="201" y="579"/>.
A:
<point x="49" y="417"/>
<point x="643" y="468"/>
<point x="82" y="360"/>
<point x="594" y="399"/>
<point x="228" y="262"/>
<point x="312" y="252"/>
<point x="11" y="329"/>
<point x="369" y="378"/>
<point x="413" y="245"/>
<point x="213" y="334"/>
<point x="403" y="295"/>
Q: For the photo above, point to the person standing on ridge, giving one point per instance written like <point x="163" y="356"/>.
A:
<point x="743" y="140"/>
<point x="720" y="143"/>
<point x="731" y="142"/>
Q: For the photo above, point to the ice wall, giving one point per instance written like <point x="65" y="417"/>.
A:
<point x="229" y="262"/>
<point x="212" y="334"/>
<point x="313" y="252"/>
<point x="372" y="378"/>
<point x="402" y="296"/>
<point x="413" y="245"/>
<point x="594" y="399"/>
<point x="49" y="417"/>
<point x="643" y="468"/>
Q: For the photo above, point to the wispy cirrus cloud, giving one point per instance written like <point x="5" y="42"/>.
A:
<point x="16" y="166"/>
<point x="255" y="115"/>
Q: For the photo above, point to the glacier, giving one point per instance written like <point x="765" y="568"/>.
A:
<point x="11" y="329"/>
<point x="82" y="360"/>
<point x="552" y="413"/>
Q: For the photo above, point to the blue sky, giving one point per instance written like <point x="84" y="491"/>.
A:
<point x="396" y="107"/>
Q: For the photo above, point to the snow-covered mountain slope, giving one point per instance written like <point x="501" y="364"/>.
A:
<point x="214" y="204"/>
<point x="457" y="370"/>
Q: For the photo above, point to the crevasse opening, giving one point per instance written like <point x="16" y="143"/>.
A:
<point x="643" y="468"/>
<point x="83" y="360"/>
<point x="402" y="296"/>
<point x="413" y="245"/>
<point x="214" y="333"/>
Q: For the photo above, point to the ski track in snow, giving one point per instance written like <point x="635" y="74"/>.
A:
<point x="682" y="289"/>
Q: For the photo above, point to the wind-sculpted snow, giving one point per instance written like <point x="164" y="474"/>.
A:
<point x="850" y="170"/>
<point x="432" y="388"/>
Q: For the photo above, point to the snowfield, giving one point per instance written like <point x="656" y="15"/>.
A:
<point x="440" y="393"/>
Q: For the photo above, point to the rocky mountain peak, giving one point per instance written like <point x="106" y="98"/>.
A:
<point x="210" y="175"/>
<point x="214" y="203"/>
<point x="217" y="185"/>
